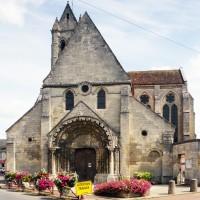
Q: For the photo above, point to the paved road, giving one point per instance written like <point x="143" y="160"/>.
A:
<point x="10" y="195"/>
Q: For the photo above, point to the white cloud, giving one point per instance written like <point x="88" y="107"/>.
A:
<point x="13" y="11"/>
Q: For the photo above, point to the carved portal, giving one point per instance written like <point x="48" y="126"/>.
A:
<point x="82" y="133"/>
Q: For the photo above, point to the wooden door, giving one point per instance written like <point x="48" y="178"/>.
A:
<point x="85" y="164"/>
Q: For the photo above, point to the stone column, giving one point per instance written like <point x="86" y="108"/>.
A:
<point x="10" y="155"/>
<point x="124" y="133"/>
<point x="111" y="175"/>
<point x="53" y="160"/>
<point x="111" y="162"/>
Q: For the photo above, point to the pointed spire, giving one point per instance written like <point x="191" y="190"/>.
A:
<point x="68" y="13"/>
<point x="68" y="20"/>
<point x="56" y="26"/>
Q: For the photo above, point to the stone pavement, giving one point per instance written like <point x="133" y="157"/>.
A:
<point x="160" y="192"/>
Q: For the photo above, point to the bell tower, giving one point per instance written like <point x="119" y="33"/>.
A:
<point x="61" y="32"/>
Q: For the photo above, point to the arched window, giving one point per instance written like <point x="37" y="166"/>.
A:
<point x="101" y="99"/>
<point x="69" y="100"/>
<point x="62" y="45"/>
<point x="166" y="112"/>
<point x="170" y="112"/>
<point x="174" y="115"/>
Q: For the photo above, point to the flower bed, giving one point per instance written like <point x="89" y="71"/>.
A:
<point x="41" y="181"/>
<point x="127" y="188"/>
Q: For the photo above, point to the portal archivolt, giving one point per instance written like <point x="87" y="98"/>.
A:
<point x="81" y="133"/>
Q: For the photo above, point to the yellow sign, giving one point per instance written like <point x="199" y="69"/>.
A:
<point x="84" y="187"/>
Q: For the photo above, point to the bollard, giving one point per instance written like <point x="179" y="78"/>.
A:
<point x="193" y="185"/>
<point x="171" y="188"/>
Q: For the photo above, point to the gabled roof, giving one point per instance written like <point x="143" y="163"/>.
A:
<point x="156" y="77"/>
<point x="87" y="58"/>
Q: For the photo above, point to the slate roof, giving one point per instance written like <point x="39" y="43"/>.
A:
<point x="156" y="77"/>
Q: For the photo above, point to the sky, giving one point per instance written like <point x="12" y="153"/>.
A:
<point x="25" y="44"/>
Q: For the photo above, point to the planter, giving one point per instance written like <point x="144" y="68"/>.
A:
<point x="123" y="194"/>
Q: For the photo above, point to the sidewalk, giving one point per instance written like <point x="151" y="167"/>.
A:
<point x="155" y="191"/>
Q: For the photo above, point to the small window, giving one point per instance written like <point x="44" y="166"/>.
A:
<point x="144" y="133"/>
<point x="69" y="100"/>
<point x="67" y="15"/>
<point x="170" y="98"/>
<point x="62" y="45"/>
<point x="144" y="99"/>
<point x="101" y="99"/>
<point x="85" y="88"/>
<point x="30" y="139"/>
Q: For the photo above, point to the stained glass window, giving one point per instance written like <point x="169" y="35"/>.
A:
<point x="144" y="99"/>
<point x="170" y="98"/>
<point x="166" y="112"/>
<point x="174" y="115"/>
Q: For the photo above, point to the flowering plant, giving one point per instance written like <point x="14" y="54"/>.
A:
<point x="40" y="174"/>
<point x="21" y="177"/>
<point x="64" y="182"/>
<point x="41" y="180"/>
<point x="129" y="186"/>
<point x="43" y="184"/>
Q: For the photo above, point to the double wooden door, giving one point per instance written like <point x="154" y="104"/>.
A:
<point x="85" y="163"/>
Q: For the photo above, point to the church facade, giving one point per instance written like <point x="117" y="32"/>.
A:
<point x="95" y="118"/>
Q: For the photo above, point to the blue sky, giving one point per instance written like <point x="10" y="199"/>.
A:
<point x="25" y="42"/>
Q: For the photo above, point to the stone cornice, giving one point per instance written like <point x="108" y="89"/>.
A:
<point x="64" y="85"/>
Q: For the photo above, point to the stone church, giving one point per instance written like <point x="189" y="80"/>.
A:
<point x="95" y="118"/>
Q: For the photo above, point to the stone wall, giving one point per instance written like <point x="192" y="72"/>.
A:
<point x="146" y="140"/>
<point x="191" y="151"/>
<point x="23" y="142"/>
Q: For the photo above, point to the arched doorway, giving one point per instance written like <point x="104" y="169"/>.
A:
<point x="83" y="145"/>
<point x="85" y="163"/>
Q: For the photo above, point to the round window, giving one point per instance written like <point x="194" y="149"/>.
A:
<point x="30" y="139"/>
<point x="170" y="98"/>
<point x="85" y="88"/>
<point x="144" y="133"/>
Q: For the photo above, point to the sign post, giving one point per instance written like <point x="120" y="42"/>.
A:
<point x="83" y="188"/>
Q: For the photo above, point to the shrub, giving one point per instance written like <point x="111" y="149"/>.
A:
<point x="129" y="186"/>
<point x="143" y="175"/>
